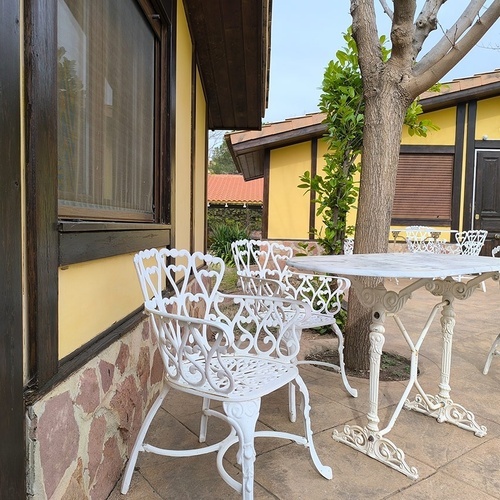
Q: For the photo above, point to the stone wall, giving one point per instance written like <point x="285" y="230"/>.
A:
<point x="81" y="433"/>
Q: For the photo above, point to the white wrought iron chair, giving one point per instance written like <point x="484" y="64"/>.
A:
<point x="266" y="260"/>
<point x="470" y="243"/>
<point x="495" y="347"/>
<point x="348" y="246"/>
<point x="420" y="239"/>
<point x="232" y="358"/>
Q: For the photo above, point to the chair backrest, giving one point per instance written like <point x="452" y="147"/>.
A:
<point x="192" y="280"/>
<point x="471" y="242"/>
<point x="267" y="260"/>
<point x="262" y="259"/>
<point x="348" y="246"/>
<point x="495" y="250"/>
<point x="196" y="325"/>
<point x="419" y="239"/>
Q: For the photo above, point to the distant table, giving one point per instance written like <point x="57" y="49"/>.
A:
<point x="426" y="270"/>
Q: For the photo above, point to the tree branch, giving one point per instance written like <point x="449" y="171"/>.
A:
<point x="451" y="36"/>
<point x="425" y="23"/>
<point x="402" y="32"/>
<point x="429" y="74"/>
<point x="386" y="9"/>
<point x="365" y="34"/>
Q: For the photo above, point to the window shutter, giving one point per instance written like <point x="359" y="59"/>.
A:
<point x="424" y="187"/>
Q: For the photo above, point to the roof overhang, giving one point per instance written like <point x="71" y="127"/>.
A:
<point x="232" y="41"/>
<point x="248" y="149"/>
<point x="449" y="99"/>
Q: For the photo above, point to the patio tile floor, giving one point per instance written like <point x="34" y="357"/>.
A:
<point x="452" y="463"/>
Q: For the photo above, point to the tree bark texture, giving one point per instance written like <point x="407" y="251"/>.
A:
<point x="386" y="101"/>
<point x="384" y="115"/>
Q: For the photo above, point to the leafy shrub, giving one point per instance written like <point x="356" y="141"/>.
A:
<point x="221" y="235"/>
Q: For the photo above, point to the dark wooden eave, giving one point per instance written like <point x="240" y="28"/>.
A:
<point x="232" y="47"/>
<point x="248" y="156"/>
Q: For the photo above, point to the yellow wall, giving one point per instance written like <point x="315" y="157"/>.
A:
<point x="289" y="205"/>
<point x="488" y="124"/>
<point x="182" y="167"/>
<point x="445" y="119"/>
<point x="94" y="295"/>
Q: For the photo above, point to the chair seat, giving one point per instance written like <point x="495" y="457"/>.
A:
<point x="316" y="320"/>
<point x="254" y="377"/>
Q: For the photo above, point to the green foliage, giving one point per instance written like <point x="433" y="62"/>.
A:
<point x="416" y="126"/>
<point x="230" y="281"/>
<point x="305" y="249"/>
<point x="249" y="218"/>
<point x="222" y="161"/>
<point x="222" y="235"/>
<point x="335" y="191"/>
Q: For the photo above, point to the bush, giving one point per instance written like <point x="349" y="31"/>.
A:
<point x="249" y="217"/>
<point x="221" y="236"/>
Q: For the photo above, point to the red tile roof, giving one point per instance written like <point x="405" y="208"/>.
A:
<point x="225" y="188"/>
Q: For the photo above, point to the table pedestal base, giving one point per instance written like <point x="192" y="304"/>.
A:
<point x="375" y="446"/>
<point x="445" y="410"/>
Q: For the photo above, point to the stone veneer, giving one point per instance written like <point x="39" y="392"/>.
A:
<point x="81" y="433"/>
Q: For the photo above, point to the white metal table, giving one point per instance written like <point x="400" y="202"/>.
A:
<point x="426" y="270"/>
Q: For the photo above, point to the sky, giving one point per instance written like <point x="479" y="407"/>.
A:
<point x="306" y="35"/>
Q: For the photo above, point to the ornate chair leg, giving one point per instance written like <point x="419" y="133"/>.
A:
<point x="305" y="406"/>
<point x="353" y="392"/>
<point x="243" y="417"/>
<point x="204" y="420"/>
<point x="139" y="442"/>
<point x="493" y="349"/>
<point x="292" y="410"/>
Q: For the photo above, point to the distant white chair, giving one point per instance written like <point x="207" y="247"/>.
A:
<point x="471" y="243"/>
<point x="348" y="246"/>
<point x="419" y="239"/>
<point x="495" y="348"/>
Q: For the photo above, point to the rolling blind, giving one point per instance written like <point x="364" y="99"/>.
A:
<point x="424" y="187"/>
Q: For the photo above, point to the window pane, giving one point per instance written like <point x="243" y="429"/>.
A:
<point x="106" y="54"/>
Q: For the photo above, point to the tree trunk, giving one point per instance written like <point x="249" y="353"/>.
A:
<point x="384" y="114"/>
<point x="388" y="89"/>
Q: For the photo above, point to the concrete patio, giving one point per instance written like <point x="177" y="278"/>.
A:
<point x="452" y="462"/>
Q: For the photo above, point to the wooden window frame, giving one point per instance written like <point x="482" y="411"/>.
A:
<point x="51" y="242"/>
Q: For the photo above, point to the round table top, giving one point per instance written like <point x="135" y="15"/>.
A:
<point x="397" y="265"/>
